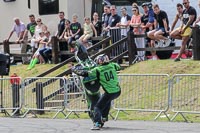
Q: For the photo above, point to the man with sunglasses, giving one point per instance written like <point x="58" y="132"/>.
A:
<point x="189" y="17"/>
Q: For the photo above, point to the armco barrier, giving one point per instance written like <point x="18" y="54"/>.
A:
<point x="148" y="93"/>
<point x="45" y="94"/>
<point x="185" y="94"/>
<point x="10" y="92"/>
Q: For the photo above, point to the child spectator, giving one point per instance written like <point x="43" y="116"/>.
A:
<point x="88" y="32"/>
<point x="36" y="57"/>
<point x="75" y="29"/>
<point x="46" y="52"/>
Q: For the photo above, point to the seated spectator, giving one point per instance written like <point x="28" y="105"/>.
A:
<point x="151" y="16"/>
<point x="46" y="52"/>
<point x="161" y="27"/>
<point x="36" y="37"/>
<point x="179" y="16"/>
<point x="88" y="31"/>
<point x="36" y="57"/>
<point x="75" y="29"/>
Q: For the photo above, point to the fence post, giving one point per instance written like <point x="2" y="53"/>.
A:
<point x="55" y="49"/>
<point x="39" y="97"/>
<point x="196" y="43"/>
<point x="131" y="47"/>
<point x="6" y="47"/>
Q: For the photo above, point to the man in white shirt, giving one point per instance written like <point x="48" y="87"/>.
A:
<point x="18" y="27"/>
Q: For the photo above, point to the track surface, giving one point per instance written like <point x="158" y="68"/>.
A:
<point x="35" y="125"/>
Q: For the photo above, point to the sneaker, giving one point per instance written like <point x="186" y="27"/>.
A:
<point x="96" y="126"/>
<point x="166" y="43"/>
<point x="177" y="59"/>
<point x="159" y="44"/>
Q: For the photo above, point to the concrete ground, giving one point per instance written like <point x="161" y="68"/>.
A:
<point x="35" y="125"/>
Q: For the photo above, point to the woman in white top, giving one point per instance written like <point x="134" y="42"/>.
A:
<point x="38" y="28"/>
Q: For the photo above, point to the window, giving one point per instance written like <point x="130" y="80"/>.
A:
<point x="47" y="7"/>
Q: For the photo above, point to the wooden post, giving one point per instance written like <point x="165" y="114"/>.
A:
<point x="196" y="43"/>
<point x="55" y="54"/>
<point x="6" y="47"/>
<point x="131" y="47"/>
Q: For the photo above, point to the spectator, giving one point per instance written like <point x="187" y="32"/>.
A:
<point x="36" y="57"/>
<point x="66" y="33"/>
<point x="179" y="16"/>
<point x="115" y="17"/>
<point x="196" y="23"/>
<point x="40" y="27"/>
<point x="125" y="21"/>
<point x="88" y="32"/>
<point x="46" y="52"/>
<point x="161" y="28"/>
<point x="61" y="28"/>
<point x="30" y="27"/>
<point x="15" y="82"/>
<point x="97" y="23"/>
<point x="107" y="18"/>
<point x="137" y="29"/>
<point x="75" y="31"/>
<point x="145" y="27"/>
<point x="19" y="27"/>
<point x="151" y="16"/>
<point x="189" y="17"/>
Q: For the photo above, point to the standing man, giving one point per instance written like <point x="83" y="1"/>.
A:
<point x="61" y="28"/>
<point x="19" y="27"/>
<point x="185" y="31"/>
<point x="106" y="19"/>
<point x="30" y="27"/>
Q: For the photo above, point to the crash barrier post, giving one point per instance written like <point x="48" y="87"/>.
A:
<point x="10" y="92"/>
<point x="143" y="92"/>
<point x="45" y="94"/>
<point x="185" y="95"/>
<point x="76" y="99"/>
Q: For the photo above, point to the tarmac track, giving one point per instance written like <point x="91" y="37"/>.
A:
<point x="35" y="125"/>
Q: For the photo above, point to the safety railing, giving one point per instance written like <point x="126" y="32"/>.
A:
<point x="44" y="97"/>
<point x="76" y="99"/>
<point x="185" y="93"/>
<point x="10" y="92"/>
<point x="142" y="92"/>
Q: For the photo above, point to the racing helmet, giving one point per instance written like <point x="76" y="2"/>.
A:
<point x="102" y="59"/>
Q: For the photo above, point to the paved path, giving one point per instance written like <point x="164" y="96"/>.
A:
<point x="34" y="125"/>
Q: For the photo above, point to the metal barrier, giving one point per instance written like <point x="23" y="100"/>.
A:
<point x="45" y="94"/>
<point x="76" y="99"/>
<point x="10" y="92"/>
<point x="185" y="93"/>
<point x="116" y="35"/>
<point x="148" y="93"/>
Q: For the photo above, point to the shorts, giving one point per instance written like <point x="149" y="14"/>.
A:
<point x="188" y="32"/>
<point x="162" y="29"/>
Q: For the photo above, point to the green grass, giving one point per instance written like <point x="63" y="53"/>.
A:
<point x="147" y="67"/>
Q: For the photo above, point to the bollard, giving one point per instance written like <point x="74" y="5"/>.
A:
<point x="196" y="43"/>
<point x="39" y="97"/>
<point x="15" y="97"/>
